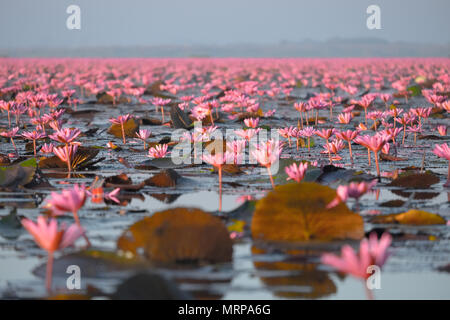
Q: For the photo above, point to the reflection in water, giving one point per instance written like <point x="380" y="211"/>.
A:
<point x="302" y="274"/>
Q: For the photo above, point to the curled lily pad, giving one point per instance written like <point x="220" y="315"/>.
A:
<point x="179" y="118"/>
<point x="413" y="217"/>
<point x="82" y="159"/>
<point x="297" y="212"/>
<point x="180" y="235"/>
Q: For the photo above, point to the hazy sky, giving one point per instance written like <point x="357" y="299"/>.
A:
<point x="31" y="23"/>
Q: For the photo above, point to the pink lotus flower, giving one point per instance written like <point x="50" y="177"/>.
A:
<point x="266" y="154"/>
<point x="121" y="120"/>
<point x="218" y="160"/>
<point x="10" y="134"/>
<point x="348" y="136"/>
<point x="159" y="102"/>
<point x="251" y="122"/>
<point x="371" y="252"/>
<point x="236" y="149"/>
<point x="247" y="134"/>
<point x="51" y="238"/>
<point x="143" y="135"/>
<point x="307" y="132"/>
<point x="353" y="190"/>
<point x="300" y="107"/>
<point x="69" y="200"/>
<point x="345" y="118"/>
<point x="113" y="195"/>
<point x="47" y="148"/>
<point x="442" y="129"/>
<point x="66" y="135"/>
<point x="288" y="132"/>
<point x="443" y="151"/>
<point x="158" y="151"/>
<point x="296" y="172"/>
<point x="34" y="135"/>
<point x="373" y="143"/>
<point x="66" y="154"/>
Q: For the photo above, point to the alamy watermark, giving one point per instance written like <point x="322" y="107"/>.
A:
<point x="73" y="21"/>
<point x="73" y="282"/>
<point x="374" y="280"/>
<point x="374" y="20"/>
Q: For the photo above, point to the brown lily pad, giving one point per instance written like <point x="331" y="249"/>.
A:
<point x="415" y="180"/>
<point x="230" y="169"/>
<point x="393" y="203"/>
<point x="388" y="157"/>
<point x="297" y="212"/>
<point x="412" y="217"/>
<point x="164" y="179"/>
<point x="119" y="179"/>
<point x="130" y="128"/>
<point x="180" y="235"/>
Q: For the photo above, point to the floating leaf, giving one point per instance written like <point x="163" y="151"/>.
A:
<point x="415" y="180"/>
<point x="413" y="217"/>
<point x="119" y="179"/>
<point x="130" y="128"/>
<point x="82" y="159"/>
<point x="180" y="235"/>
<point x="393" y="203"/>
<point x="230" y="169"/>
<point x="297" y="212"/>
<point x="164" y="179"/>
<point x="93" y="263"/>
<point x="179" y="118"/>
<point x="388" y="157"/>
<point x="10" y="225"/>
<point x="4" y="160"/>
<point x="160" y="163"/>
<point x="17" y="175"/>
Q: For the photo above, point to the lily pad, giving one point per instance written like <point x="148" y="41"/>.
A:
<point x="18" y="174"/>
<point x="297" y="212"/>
<point x="412" y="217"/>
<point x="82" y="159"/>
<point x="180" y="235"/>
<point x="415" y="180"/>
<point x="130" y="128"/>
<point x="179" y="118"/>
<point x="164" y="179"/>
